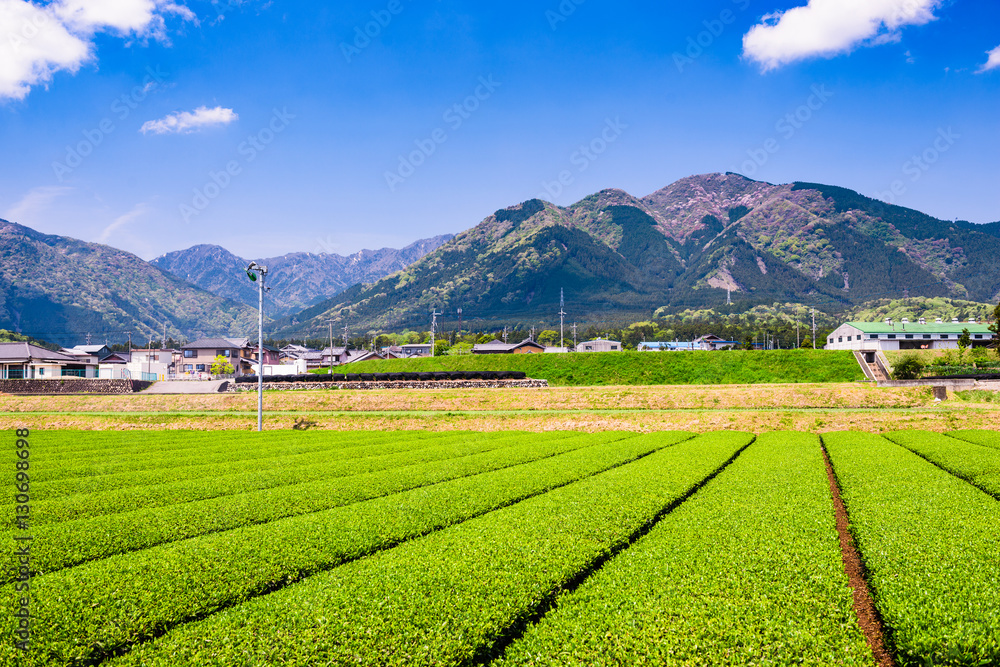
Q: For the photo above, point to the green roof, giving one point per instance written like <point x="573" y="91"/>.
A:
<point x="913" y="327"/>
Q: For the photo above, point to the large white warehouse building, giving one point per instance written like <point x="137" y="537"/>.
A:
<point x="905" y="335"/>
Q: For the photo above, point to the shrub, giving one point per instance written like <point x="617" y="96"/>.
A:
<point x="908" y="368"/>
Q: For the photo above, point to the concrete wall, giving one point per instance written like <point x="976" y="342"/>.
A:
<point x="72" y="386"/>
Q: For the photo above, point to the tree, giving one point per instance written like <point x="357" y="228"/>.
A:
<point x="807" y="342"/>
<point x="748" y="343"/>
<point x="908" y="368"/>
<point x="460" y="348"/>
<point x="964" y="341"/>
<point x="441" y="346"/>
<point x="221" y="366"/>
<point x="548" y="337"/>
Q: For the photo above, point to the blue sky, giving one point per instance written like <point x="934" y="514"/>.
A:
<point x="273" y="127"/>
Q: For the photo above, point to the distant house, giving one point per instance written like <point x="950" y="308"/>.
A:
<point x="713" y="342"/>
<point x="549" y="349"/>
<point x="599" y="345"/>
<point x="667" y="346"/>
<point x="152" y="364"/>
<point x="333" y="356"/>
<point x="905" y="335"/>
<point x="26" y="361"/>
<point x="355" y="356"/>
<point x="197" y="357"/>
<point x="98" y="352"/>
<point x="500" y="347"/>
<point x="415" y="350"/>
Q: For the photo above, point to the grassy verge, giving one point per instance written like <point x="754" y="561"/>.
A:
<point x="645" y="368"/>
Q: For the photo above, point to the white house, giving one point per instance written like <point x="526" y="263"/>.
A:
<point x="905" y="335"/>
<point x="27" y="361"/>
<point x="599" y="345"/>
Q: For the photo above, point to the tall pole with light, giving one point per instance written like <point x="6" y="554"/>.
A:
<point x="257" y="274"/>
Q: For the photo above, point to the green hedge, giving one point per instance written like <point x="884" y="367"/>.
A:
<point x="644" y="368"/>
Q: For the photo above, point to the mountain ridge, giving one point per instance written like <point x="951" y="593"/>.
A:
<point x="298" y="280"/>
<point x="695" y="242"/>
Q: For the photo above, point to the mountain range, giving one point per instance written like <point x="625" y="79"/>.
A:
<point x="60" y="289"/>
<point x="297" y="280"/>
<point x="698" y="242"/>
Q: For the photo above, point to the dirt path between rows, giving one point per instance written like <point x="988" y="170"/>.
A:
<point x="864" y="606"/>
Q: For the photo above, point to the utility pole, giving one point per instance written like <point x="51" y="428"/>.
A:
<point x="574" y="335"/>
<point x="532" y="337"/>
<point x="345" y="339"/>
<point x="562" y="316"/>
<point x="729" y="296"/>
<point x="505" y="334"/>
<point x="129" y="346"/>
<point x="814" y="327"/>
<point x="798" y="342"/>
<point x="459" y="321"/>
<point x="163" y="342"/>
<point x="255" y="271"/>
<point x="88" y="338"/>
<point x="330" y="322"/>
<point x="434" y="326"/>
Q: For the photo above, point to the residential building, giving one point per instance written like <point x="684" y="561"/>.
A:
<point x="500" y="347"/>
<point x="905" y="335"/>
<point x="27" y="361"/>
<point x="667" y="346"/>
<point x="151" y="364"/>
<point x="197" y="357"/>
<point x="415" y="350"/>
<point x="599" y="345"/>
<point x="713" y="342"/>
<point x="554" y="349"/>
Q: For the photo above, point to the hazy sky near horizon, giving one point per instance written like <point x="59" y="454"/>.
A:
<point x="270" y="127"/>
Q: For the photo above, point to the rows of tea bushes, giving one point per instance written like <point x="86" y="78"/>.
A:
<point x="99" y="469"/>
<point x="746" y="572"/>
<point x="242" y="479"/>
<point x="978" y="465"/>
<point x="985" y="438"/>
<point x="73" y="542"/>
<point x="449" y="597"/>
<point x="99" y="608"/>
<point x="930" y="543"/>
<point x="194" y="466"/>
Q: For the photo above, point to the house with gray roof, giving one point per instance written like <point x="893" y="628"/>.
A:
<point x="26" y="361"/>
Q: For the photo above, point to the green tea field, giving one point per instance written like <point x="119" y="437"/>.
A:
<point x="508" y="548"/>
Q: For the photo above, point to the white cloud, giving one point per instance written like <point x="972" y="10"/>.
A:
<point x="993" y="62"/>
<point x="830" y="27"/>
<point x="42" y="39"/>
<point x="137" y="212"/>
<point x="34" y="202"/>
<point x="186" y="122"/>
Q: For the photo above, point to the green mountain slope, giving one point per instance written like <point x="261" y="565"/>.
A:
<point x="60" y="289"/>
<point x="692" y="244"/>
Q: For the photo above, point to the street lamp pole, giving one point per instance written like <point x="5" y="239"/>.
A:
<point x="253" y="271"/>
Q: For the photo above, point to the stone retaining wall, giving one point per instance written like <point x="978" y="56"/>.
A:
<point x="442" y="384"/>
<point x="72" y="386"/>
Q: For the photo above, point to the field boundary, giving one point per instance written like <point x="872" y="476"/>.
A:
<point x="869" y="619"/>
